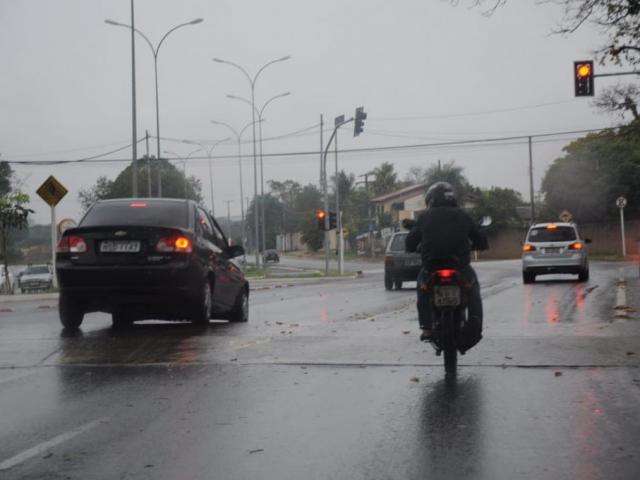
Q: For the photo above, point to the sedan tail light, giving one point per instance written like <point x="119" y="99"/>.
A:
<point x="576" y="246"/>
<point x="527" y="247"/>
<point x="72" y="244"/>
<point x="177" y="244"/>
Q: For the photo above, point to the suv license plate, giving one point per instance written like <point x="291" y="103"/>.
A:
<point x="119" y="246"/>
<point x="446" y="296"/>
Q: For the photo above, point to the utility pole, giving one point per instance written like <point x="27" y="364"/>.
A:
<point x="146" y="135"/>
<point x="134" y="121"/>
<point x="531" y="194"/>
<point x="228" y="202"/>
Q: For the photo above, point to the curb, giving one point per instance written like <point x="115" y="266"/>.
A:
<point x="20" y="298"/>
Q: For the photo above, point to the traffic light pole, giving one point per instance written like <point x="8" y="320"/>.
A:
<point x="325" y="151"/>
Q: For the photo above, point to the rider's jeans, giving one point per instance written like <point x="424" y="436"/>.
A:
<point x="474" y="306"/>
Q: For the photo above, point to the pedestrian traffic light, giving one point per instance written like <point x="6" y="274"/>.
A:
<point x="333" y="220"/>
<point x="583" y="77"/>
<point x="359" y="119"/>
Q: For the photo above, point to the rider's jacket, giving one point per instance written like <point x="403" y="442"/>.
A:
<point x="445" y="232"/>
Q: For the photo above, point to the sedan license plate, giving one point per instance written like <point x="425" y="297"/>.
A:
<point x="446" y="296"/>
<point x="120" y="246"/>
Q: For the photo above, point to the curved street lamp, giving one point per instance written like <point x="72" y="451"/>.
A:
<point x="208" y="151"/>
<point x="259" y="113"/>
<point x="155" y="50"/>
<point x="238" y="136"/>
<point x="184" y="159"/>
<point x="252" y="83"/>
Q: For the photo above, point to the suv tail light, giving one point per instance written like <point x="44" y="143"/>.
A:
<point x="388" y="261"/>
<point x="527" y="247"/>
<point x="178" y="244"/>
<point x="72" y="244"/>
<point x="576" y="246"/>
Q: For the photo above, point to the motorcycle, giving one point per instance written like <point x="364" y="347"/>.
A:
<point x="448" y="292"/>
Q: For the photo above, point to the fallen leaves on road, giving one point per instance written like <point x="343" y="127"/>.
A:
<point x="257" y="450"/>
<point x="557" y="374"/>
<point x="631" y="353"/>
<point x="279" y="323"/>
<point x="414" y="379"/>
<point x="508" y="357"/>
<point x="406" y="332"/>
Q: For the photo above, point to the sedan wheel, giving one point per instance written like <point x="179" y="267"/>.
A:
<point x="240" y="312"/>
<point x="71" y="313"/>
<point x="203" y="313"/>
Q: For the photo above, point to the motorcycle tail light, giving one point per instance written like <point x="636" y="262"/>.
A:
<point x="72" y="244"/>
<point x="576" y="246"/>
<point x="446" y="273"/>
<point x="528" y="247"/>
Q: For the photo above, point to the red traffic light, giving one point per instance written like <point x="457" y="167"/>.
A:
<point x="320" y="214"/>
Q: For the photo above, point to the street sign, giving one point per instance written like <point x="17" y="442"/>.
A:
<point x="566" y="216"/>
<point x="621" y="202"/>
<point x="339" y="120"/>
<point x="52" y="191"/>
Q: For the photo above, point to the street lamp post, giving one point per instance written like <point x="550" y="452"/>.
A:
<point x="252" y="83"/>
<point x="209" y="151"/>
<point x="238" y="136"/>
<point x="184" y="165"/>
<point x="260" y="118"/>
<point x="155" y="50"/>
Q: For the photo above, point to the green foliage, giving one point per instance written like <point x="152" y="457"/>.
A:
<point x="386" y="179"/>
<point x="5" y="178"/>
<point x="451" y="173"/>
<point x="14" y="215"/>
<point x="594" y="171"/>
<point x="174" y="183"/>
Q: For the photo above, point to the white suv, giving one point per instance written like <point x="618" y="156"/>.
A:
<point x="554" y="248"/>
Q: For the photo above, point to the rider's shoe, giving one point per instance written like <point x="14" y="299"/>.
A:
<point x="426" y="335"/>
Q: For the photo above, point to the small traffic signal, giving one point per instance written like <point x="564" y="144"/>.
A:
<point x="359" y="119"/>
<point x="321" y="216"/>
<point x="583" y="77"/>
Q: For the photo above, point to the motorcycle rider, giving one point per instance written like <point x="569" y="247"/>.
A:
<point x="445" y="231"/>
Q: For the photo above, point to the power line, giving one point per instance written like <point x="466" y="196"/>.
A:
<point x="406" y="147"/>
<point x="78" y="160"/>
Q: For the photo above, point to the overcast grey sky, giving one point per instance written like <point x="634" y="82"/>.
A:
<point x="65" y="84"/>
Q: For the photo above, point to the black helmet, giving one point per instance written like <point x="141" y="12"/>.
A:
<point x="441" y="194"/>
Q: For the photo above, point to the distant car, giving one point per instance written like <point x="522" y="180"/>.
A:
<point x="554" y="248"/>
<point x="36" y="278"/>
<point x="271" y="256"/>
<point x="399" y="265"/>
<point x="153" y="258"/>
<point x="6" y="287"/>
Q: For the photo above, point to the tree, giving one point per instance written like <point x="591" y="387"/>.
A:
<point x="14" y="215"/>
<point x="501" y="205"/>
<point x="174" y="183"/>
<point x="620" y="99"/>
<point x="451" y="173"/>
<point x="594" y="171"/>
<point x="346" y="182"/>
<point x="273" y="209"/>
<point x="385" y="180"/>
<point x="306" y="203"/>
<point x="6" y="173"/>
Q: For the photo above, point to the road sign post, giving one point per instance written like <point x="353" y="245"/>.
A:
<point x="52" y="191"/>
<point x="621" y="202"/>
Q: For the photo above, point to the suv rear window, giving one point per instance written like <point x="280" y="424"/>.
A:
<point x="37" y="270"/>
<point x="135" y="212"/>
<point x="398" y="243"/>
<point x="558" y="234"/>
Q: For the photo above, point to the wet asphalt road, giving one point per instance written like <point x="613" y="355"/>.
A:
<point x="329" y="381"/>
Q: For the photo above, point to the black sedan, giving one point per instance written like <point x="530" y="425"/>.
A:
<point x="151" y="258"/>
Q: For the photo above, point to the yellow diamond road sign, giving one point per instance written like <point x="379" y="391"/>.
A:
<point x="52" y="191"/>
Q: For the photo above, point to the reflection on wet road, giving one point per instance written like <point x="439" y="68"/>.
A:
<point x="329" y="381"/>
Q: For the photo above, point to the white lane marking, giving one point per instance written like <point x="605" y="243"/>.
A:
<point x="16" y="376"/>
<point x="44" y="446"/>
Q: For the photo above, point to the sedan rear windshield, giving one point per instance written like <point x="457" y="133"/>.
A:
<point x="37" y="270"/>
<point x="139" y="213"/>
<point x="398" y="243"/>
<point x="557" y="234"/>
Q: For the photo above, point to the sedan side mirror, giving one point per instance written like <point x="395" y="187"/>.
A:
<point x="235" y="251"/>
<point x="587" y="240"/>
